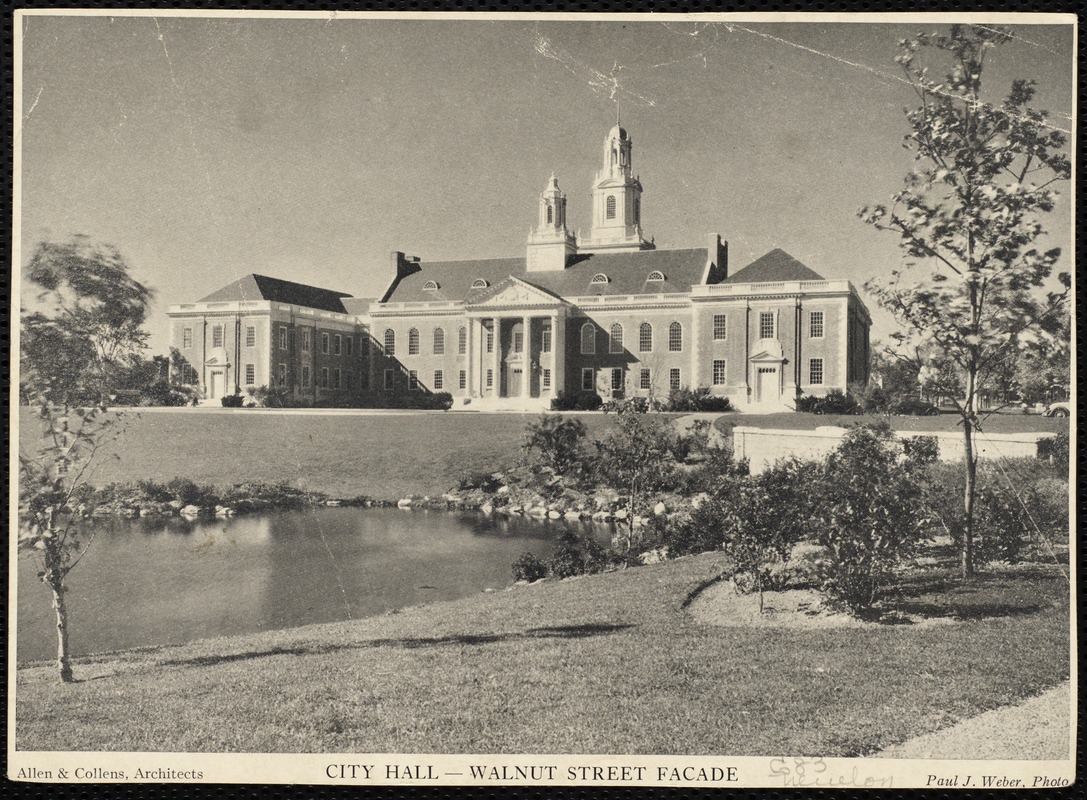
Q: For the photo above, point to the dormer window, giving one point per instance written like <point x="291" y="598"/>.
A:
<point x="479" y="283"/>
<point x="599" y="277"/>
<point x="430" y="286"/>
<point x="656" y="275"/>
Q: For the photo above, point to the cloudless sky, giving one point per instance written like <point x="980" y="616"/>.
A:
<point x="207" y="149"/>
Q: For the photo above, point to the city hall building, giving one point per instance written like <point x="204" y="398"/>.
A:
<point x="607" y="313"/>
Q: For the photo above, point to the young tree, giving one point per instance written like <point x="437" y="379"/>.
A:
<point x="972" y="287"/>
<point x="82" y="335"/>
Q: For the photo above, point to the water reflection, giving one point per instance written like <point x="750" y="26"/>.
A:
<point x="168" y="581"/>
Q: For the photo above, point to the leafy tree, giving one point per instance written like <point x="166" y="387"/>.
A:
<point x="558" y="441"/>
<point x="971" y="289"/>
<point x="634" y="458"/>
<point x="80" y="339"/>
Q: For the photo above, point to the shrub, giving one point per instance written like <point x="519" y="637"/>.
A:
<point x="165" y="394"/>
<point x="872" y="397"/>
<point x="807" y="403"/>
<point x="634" y="457"/>
<point x="479" y="480"/>
<point x="712" y="475"/>
<point x="577" y="556"/>
<point x="529" y="568"/>
<point x="869" y="514"/>
<point x="693" y="400"/>
<point x="1055" y="450"/>
<point x="189" y="493"/>
<point x="837" y="402"/>
<point x="921" y="450"/>
<point x="233" y="400"/>
<point x="588" y="401"/>
<point x="271" y="396"/>
<point x="558" y="441"/>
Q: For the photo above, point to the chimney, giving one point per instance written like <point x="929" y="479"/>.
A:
<point x="402" y="266"/>
<point x="716" y="260"/>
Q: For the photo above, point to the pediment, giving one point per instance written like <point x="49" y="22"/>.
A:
<point x="768" y="350"/>
<point x="513" y="292"/>
<point x="217" y="357"/>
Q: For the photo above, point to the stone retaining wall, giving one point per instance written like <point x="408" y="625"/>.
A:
<point x="763" y="446"/>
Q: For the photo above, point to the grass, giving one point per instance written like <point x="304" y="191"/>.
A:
<point x="603" y="664"/>
<point x="387" y="456"/>
<point x="996" y="423"/>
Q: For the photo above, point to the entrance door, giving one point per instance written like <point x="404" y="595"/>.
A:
<point x="766" y="385"/>
<point x="215" y="385"/>
<point x="513" y="387"/>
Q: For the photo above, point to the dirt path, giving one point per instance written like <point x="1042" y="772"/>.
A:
<point x="1036" y="729"/>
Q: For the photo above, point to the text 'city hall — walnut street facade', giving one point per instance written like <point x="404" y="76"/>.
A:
<point x="608" y="313"/>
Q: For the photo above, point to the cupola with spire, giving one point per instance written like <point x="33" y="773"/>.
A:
<point x="617" y="199"/>
<point x="550" y="245"/>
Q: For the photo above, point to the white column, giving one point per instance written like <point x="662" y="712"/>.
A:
<point x="526" y="339"/>
<point x="496" y="355"/>
<point x="696" y="348"/>
<point x="469" y="353"/>
<point x="558" y="353"/>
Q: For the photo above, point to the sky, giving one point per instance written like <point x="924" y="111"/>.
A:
<point x="206" y="149"/>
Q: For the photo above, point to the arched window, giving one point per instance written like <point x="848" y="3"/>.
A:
<point x="645" y="338"/>
<point x="413" y="342"/>
<point x="637" y="210"/>
<point x="599" y="277"/>
<point x="588" y="339"/>
<point x="615" y="341"/>
<point x="439" y="342"/>
<point x="656" y="275"/>
<point x="390" y="342"/>
<point x="550" y="214"/>
<point x="479" y="283"/>
<point x="462" y="341"/>
<point x="431" y="286"/>
<point x="610" y="207"/>
<point x="675" y="337"/>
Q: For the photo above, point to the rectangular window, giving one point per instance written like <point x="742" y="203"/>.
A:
<point x="413" y="380"/>
<point x="337" y="345"/>
<point x="282" y="338"/>
<point x="462" y="341"/>
<point x="305" y="342"/>
<point x="617" y="379"/>
<point x="588" y="382"/>
<point x="518" y="342"/>
<point x="324" y="343"/>
<point x="347" y="380"/>
<point x="545" y="340"/>
<point x="305" y="377"/>
<point x="282" y="374"/>
<point x="815" y="324"/>
<point x="719" y="372"/>
<point x="766" y="325"/>
<point x="490" y="379"/>
<point x="217" y="336"/>
<point x="645" y="380"/>
<point x="674" y="378"/>
<point x="645" y="338"/>
<point x="337" y="379"/>
<point x="186" y="338"/>
<point x="720" y="327"/>
<point x="250" y="374"/>
<point x="815" y="371"/>
<point x="439" y="380"/>
<point x="188" y="374"/>
<point x="250" y="336"/>
<point x="545" y="379"/>
<point x="462" y="380"/>
<point x="390" y="379"/>
<point x="350" y="342"/>
<point x="490" y="338"/>
<point x="324" y="377"/>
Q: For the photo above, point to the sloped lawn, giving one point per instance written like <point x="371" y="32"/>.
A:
<point x="611" y="663"/>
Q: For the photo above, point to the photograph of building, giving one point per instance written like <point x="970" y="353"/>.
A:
<point x="607" y="313"/>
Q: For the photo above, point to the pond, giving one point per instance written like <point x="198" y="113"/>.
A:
<point x="174" y="581"/>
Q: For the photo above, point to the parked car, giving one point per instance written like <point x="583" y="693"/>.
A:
<point x="1061" y="408"/>
<point x="915" y="407"/>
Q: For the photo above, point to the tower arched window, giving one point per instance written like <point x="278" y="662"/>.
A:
<point x="675" y="337"/>
<point x="645" y="338"/>
<point x="609" y="207"/>
<point x="637" y="211"/>
<point x="588" y="339"/>
<point x="390" y="342"/>
<point x="413" y="342"/>
<point x="550" y="214"/>
<point x="615" y="340"/>
<point x="439" y="342"/>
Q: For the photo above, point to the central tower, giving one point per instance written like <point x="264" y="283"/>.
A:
<point x="617" y="200"/>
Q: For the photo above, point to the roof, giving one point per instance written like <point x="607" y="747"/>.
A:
<point x="262" y="287"/>
<point x="357" y="305"/>
<point x="777" y="265"/>
<point x="627" y="274"/>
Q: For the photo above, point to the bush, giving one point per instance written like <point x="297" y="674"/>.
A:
<point x="921" y="450"/>
<point x="1055" y="450"/>
<point x="559" y="441"/>
<point x="479" y="480"/>
<point x="577" y="556"/>
<point x="873" y="399"/>
<point x="164" y="394"/>
<point x="639" y="405"/>
<point x="713" y="474"/>
<point x="694" y="400"/>
<point x="271" y="396"/>
<point x="868" y="513"/>
<point x="834" y="402"/>
<point x="189" y="493"/>
<point x="529" y="568"/>
<point x="232" y="400"/>
<point x="577" y="401"/>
